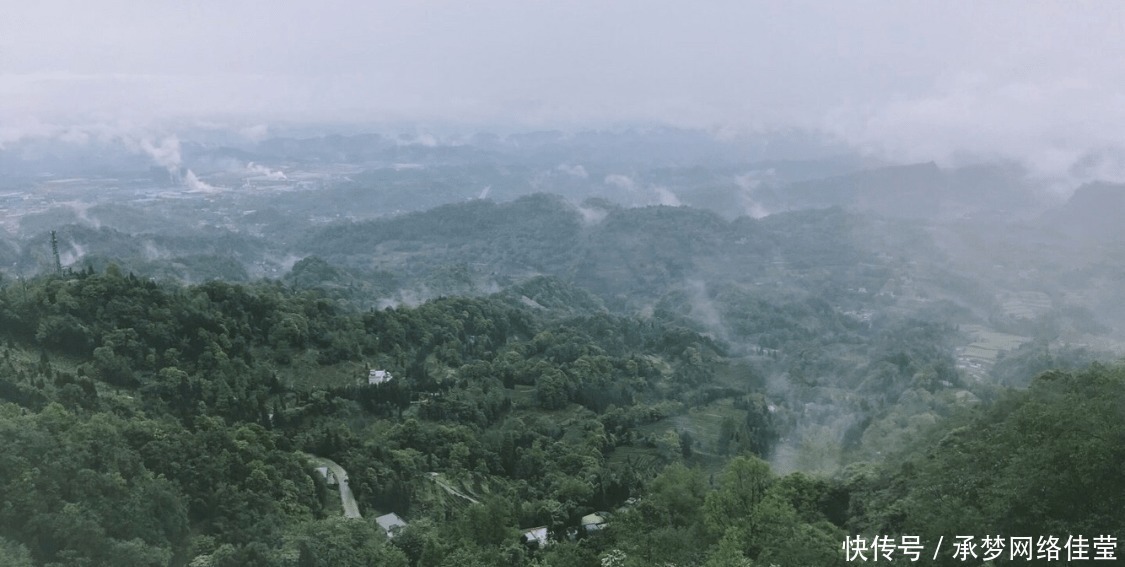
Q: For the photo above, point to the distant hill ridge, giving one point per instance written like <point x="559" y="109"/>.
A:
<point x="921" y="190"/>
<point x="1093" y="211"/>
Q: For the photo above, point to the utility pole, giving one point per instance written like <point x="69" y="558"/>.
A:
<point x="55" y="251"/>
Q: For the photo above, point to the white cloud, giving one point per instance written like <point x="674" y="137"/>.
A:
<point x="665" y="196"/>
<point x="575" y="170"/>
<point x="913" y="80"/>
<point x="747" y="183"/>
<point x="166" y="152"/>
<point x="263" y="171"/>
<point x="255" y="133"/>
<point x="196" y="185"/>
<point x="622" y="181"/>
<point x="1060" y="128"/>
<point x="592" y="215"/>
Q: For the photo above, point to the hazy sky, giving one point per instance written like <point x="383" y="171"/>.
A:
<point x="912" y="79"/>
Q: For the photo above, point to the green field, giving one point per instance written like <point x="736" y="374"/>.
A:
<point x="305" y="373"/>
<point x="703" y="423"/>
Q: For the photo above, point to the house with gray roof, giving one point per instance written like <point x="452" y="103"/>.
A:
<point x="390" y="523"/>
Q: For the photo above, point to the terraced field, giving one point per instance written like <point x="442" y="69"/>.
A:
<point x="980" y="355"/>
<point x="1026" y="304"/>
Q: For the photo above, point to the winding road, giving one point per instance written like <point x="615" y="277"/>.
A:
<point x="351" y="509"/>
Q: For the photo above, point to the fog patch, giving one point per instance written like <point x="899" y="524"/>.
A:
<point x="196" y="185"/>
<point x="651" y="193"/>
<point x="256" y="133"/>
<point x="592" y="216"/>
<point x="531" y="302"/>
<point x="574" y="170"/>
<point x="288" y="262"/>
<point x="703" y="309"/>
<point x="424" y="140"/>
<point x="665" y="196"/>
<point x="747" y="184"/>
<point x="620" y="181"/>
<point x="816" y="445"/>
<point x="152" y="252"/>
<point x="17" y="130"/>
<point x="74" y="136"/>
<point x="73" y="254"/>
<point x="81" y="210"/>
<point x="405" y="298"/>
<point x="166" y="153"/>
<point x="490" y="287"/>
<point x="1043" y="123"/>
<point x="263" y="171"/>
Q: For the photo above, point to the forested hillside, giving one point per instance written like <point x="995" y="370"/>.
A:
<point x="561" y="284"/>
<point x="164" y="424"/>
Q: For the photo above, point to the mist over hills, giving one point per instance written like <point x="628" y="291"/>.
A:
<point x="628" y="218"/>
<point x="1090" y="214"/>
<point x="561" y="284"/>
<point x="925" y="191"/>
<point x="657" y="305"/>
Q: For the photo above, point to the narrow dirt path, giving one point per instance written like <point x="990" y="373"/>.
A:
<point x="451" y="490"/>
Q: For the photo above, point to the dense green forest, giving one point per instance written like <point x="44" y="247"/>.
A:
<point x="151" y="423"/>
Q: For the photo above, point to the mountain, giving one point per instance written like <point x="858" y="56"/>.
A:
<point x="918" y="191"/>
<point x="1093" y="212"/>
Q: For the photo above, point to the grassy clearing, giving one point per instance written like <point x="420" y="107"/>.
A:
<point x="629" y="455"/>
<point x="523" y="395"/>
<point x="306" y="374"/>
<point x="704" y="422"/>
<point x="736" y="375"/>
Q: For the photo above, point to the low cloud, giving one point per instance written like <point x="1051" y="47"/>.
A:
<point x="665" y="196"/>
<point x="256" y="133"/>
<point x="747" y="184"/>
<point x="425" y="140"/>
<point x="263" y="171"/>
<point x="591" y="215"/>
<point x="622" y="181"/>
<point x="81" y="210"/>
<point x="196" y="185"/>
<point x="650" y="193"/>
<point x="703" y="309"/>
<point x="166" y="153"/>
<point x="71" y="254"/>
<point x="1064" y="130"/>
<point x="575" y="170"/>
<point x="18" y="129"/>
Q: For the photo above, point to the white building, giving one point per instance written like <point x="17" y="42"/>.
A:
<point x="538" y="535"/>
<point x="593" y="522"/>
<point x="390" y="523"/>
<point x="376" y="377"/>
<point x="329" y="478"/>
